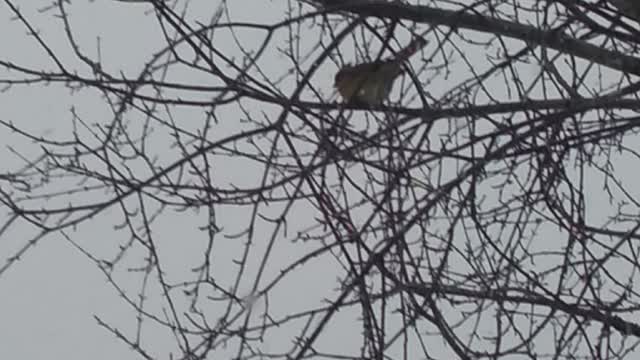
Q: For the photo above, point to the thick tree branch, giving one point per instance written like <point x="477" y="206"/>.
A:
<point x="456" y="19"/>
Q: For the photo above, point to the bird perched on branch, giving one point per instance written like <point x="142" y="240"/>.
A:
<point x="370" y="83"/>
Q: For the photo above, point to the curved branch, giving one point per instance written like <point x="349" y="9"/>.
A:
<point x="456" y="19"/>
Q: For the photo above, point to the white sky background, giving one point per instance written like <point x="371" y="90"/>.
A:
<point x="48" y="300"/>
<point x="50" y="297"/>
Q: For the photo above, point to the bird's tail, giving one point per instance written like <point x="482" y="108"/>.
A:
<point x="416" y="44"/>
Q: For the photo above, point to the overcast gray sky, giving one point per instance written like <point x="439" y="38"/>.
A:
<point x="49" y="298"/>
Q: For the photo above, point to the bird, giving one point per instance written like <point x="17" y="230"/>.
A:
<point x="370" y="83"/>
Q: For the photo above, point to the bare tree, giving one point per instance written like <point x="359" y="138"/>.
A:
<point x="485" y="209"/>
